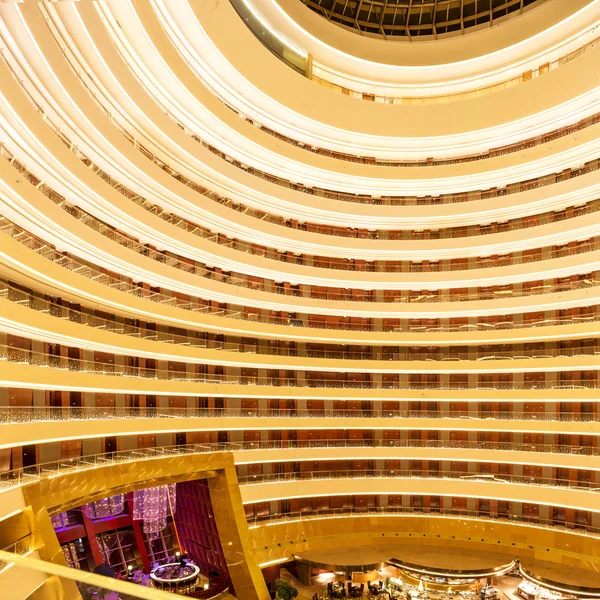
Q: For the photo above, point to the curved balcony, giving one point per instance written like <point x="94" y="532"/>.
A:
<point x="354" y="378"/>
<point x="392" y="288"/>
<point x="260" y="487"/>
<point x="478" y="530"/>
<point x="50" y="479"/>
<point x="460" y="60"/>
<point x="20" y="322"/>
<point x="301" y="450"/>
<point x="149" y="294"/>
<point x="299" y="273"/>
<point x="518" y="258"/>
<point x="245" y="454"/>
<point x="32" y="370"/>
<point x="394" y="452"/>
<point x="58" y="199"/>
<point x="281" y="536"/>
<point x="196" y="186"/>
<point x="380" y="418"/>
<point x="238" y="278"/>
<point x="29" y="425"/>
<point x="371" y="160"/>
<point x="63" y="485"/>
<point x="385" y="266"/>
<point x="517" y="489"/>
<point x="406" y="511"/>
<point x="276" y="78"/>
<point x="99" y="335"/>
<point x="66" y="72"/>
<point x="308" y="260"/>
<point x="229" y="68"/>
<point x="565" y="294"/>
<point x="107" y="290"/>
<point x="383" y="474"/>
<point x="99" y="67"/>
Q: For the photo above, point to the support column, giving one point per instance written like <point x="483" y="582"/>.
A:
<point x="139" y="536"/>
<point x="309" y="67"/>
<point x="235" y="538"/>
<point x="91" y="536"/>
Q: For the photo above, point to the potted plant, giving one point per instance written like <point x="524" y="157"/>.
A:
<point x="284" y="590"/>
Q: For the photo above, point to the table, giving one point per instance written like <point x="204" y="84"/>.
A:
<point x="172" y="576"/>
<point x="337" y="590"/>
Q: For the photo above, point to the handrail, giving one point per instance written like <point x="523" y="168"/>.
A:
<point x="201" y="269"/>
<point x="40" y="247"/>
<point x="353" y="381"/>
<point x="48" y="470"/>
<point x="21" y="547"/>
<point x="299" y="64"/>
<point x="32" y="414"/>
<point x="404" y="353"/>
<point x="82" y="268"/>
<point x="379" y="474"/>
<point x="306" y="259"/>
<point x="484" y="90"/>
<point x="401" y="511"/>
<point x="448" y="198"/>
<point x="77" y="413"/>
<point x="404" y="296"/>
<point x="456" y="197"/>
<point x="357" y="295"/>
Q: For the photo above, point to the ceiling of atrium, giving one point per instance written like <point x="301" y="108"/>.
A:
<point x="413" y="18"/>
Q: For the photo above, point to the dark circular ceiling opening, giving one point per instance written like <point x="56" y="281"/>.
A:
<point x="414" y="18"/>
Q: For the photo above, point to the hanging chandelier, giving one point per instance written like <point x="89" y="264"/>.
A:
<point x="153" y="506"/>
<point x="107" y="507"/>
<point x="59" y="520"/>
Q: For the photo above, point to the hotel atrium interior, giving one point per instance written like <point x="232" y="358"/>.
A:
<point x="299" y="299"/>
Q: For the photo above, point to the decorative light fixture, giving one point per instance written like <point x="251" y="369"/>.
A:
<point x="107" y="507"/>
<point x="59" y="520"/>
<point x="153" y="506"/>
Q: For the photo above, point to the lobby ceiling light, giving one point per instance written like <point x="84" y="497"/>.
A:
<point x="153" y="506"/>
<point x="107" y="507"/>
